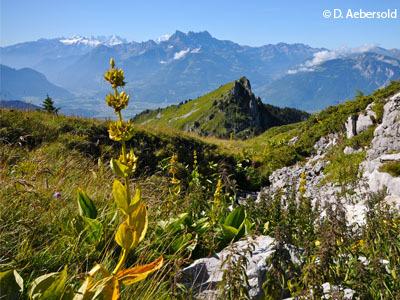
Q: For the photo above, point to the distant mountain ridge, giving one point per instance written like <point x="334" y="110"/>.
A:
<point x="333" y="80"/>
<point x="230" y="111"/>
<point x="25" y="83"/>
<point x="17" y="104"/>
<point x="184" y="66"/>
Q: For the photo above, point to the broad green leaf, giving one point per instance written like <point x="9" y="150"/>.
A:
<point x="118" y="168"/>
<point x="11" y="285"/>
<point x="229" y="232"/>
<point x="138" y="273"/>
<point x="125" y="236"/>
<point x="201" y="225"/>
<point x="176" y="224"/>
<point x="94" y="230"/>
<point x="120" y="196"/>
<point x="248" y="226"/>
<point x="235" y="217"/>
<point x="49" y="286"/>
<point x="181" y="242"/>
<point x="86" y="205"/>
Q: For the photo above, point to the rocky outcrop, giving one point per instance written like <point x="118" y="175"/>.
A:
<point x="205" y="276"/>
<point x="246" y="115"/>
<point x="385" y="147"/>
<point x="358" y="123"/>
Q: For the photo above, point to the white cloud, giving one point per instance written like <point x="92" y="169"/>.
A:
<point x="181" y="54"/>
<point x="325" y="55"/>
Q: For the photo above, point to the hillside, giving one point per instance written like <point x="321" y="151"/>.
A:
<point x="28" y="83"/>
<point x="230" y="111"/>
<point x="314" y="203"/>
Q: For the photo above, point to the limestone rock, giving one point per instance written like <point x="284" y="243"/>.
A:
<point x="386" y="141"/>
<point x="358" y="123"/>
<point x="204" y="275"/>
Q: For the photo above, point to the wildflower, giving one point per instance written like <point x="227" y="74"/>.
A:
<point x="175" y="181"/>
<point x="115" y="76"/>
<point x="120" y="131"/>
<point x="118" y="101"/>
<point x="317" y="243"/>
<point x="129" y="160"/>
<point x="172" y="162"/>
<point x="57" y="195"/>
<point x="339" y="242"/>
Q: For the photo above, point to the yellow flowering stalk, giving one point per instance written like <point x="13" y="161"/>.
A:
<point x="173" y="170"/>
<point x="217" y="202"/>
<point x="132" y="230"/>
<point x="302" y="184"/>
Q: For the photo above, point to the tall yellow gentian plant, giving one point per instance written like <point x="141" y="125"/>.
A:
<point x="100" y="283"/>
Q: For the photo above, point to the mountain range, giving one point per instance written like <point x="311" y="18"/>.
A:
<point x="184" y="66"/>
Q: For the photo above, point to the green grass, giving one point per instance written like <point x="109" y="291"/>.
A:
<point x="177" y="116"/>
<point x="344" y="168"/>
<point x="391" y="167"/>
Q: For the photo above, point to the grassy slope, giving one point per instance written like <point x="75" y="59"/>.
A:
<point x="176" y="116"/>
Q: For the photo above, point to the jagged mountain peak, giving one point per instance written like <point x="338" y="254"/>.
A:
<point x="242" y="87"/>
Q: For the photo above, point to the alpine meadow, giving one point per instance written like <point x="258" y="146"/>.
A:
<point x="194" y="167"/>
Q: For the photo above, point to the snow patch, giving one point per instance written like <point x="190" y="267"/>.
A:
<point x="93" y="41"/>
<point x="181" y="54"/>
<point x="195" y="50"/>
<point x="163" y="38"/>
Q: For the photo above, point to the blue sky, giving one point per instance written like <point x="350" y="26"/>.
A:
<point x="252" y="22"/>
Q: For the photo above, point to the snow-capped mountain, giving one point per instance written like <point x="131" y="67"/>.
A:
<point x="185" y="65"/>
<point x="93" y="41"/>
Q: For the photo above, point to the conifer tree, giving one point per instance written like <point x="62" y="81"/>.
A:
<point x="48" y="106"/>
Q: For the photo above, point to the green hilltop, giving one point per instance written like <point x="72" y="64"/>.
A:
<point x="232" y="110"/>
